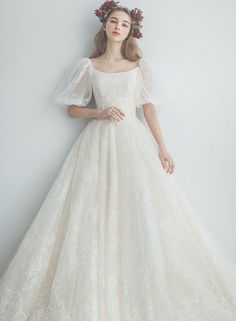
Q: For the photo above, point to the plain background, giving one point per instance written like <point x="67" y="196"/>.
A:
<point x="192" y="42"/>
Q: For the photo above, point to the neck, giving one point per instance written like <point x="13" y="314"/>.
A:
<point x="113" y="51"/>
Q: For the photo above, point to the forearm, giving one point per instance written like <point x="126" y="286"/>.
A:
<point x="83" y="112"/>
<point x="153" y="123"/>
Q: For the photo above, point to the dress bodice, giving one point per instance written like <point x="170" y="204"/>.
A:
<point x="115" y="89"/>
<point x="126" y="90"/>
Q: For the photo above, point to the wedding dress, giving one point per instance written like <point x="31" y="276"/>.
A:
<point x="116" y="239"/>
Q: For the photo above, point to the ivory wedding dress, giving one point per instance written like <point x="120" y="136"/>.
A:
<point x="116" y="239"/>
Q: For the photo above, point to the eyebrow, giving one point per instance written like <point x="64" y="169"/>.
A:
<point x="123" y="20"/>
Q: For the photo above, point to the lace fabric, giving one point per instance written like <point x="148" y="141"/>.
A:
<point x="128" y="90"/>
<point x="147" y="88"/>
<point x="76" y="86"/>
<point x="116" y="239"/>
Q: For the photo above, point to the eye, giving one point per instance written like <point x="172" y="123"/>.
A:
<point x="124" y="25"/>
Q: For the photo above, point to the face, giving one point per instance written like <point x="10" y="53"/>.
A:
<point x="118" y="26"/>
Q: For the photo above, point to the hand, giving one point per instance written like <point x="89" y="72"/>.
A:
<point x="166" y="160"/>
<point x="111" y="113"/>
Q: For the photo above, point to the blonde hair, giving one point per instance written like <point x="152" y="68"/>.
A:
<point x="129" y="49"/>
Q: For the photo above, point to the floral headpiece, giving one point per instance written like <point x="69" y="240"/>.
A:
<point x="136" y="15"/>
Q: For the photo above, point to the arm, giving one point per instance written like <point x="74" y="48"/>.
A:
<point x="78" y="111"/>
<point x="153" y="123"/>
<point x="105" y="113"/>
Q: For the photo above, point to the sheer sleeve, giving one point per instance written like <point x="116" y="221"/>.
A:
<point x="75" y="87"/>
<point x="147" y="91"/>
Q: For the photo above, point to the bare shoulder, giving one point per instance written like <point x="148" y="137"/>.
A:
<point x="103" y="64"/>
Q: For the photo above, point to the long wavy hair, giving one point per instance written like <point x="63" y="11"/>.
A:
<point x="129" y="48"/>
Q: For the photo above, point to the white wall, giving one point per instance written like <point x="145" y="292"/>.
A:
<point x="193" y="44"/>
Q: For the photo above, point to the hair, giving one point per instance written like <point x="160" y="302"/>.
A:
<point x="129" y="47"/>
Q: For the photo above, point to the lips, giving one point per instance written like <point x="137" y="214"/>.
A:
<point x="116" y="33"/>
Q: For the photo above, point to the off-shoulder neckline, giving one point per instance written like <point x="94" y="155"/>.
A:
<point x="116" y="72"/>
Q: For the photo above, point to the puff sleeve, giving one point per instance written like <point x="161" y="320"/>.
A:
<point x="75" y="87"/>
<point x="147" y="89"/>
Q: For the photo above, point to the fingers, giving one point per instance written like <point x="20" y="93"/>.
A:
<point x="168" y="164"/>
<point x="116" y="113"/>
<point x="163" y="163"/>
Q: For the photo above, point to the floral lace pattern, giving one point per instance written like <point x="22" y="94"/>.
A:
<point x="116" y="239"/>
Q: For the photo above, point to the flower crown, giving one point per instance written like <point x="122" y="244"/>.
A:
<point x="136" y="15"/>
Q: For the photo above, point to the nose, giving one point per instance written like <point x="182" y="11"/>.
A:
<point x="118" y="26"/>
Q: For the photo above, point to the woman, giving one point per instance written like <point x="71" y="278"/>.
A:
<point x="116" y="239"/>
